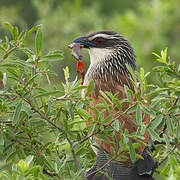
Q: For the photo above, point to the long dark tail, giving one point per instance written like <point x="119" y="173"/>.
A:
<point x="113" y="170"/>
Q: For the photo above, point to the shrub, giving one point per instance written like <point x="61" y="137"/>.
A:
<point x="43" y="133"/>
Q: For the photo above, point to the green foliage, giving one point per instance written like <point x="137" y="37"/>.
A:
<point x="43" y="132"/>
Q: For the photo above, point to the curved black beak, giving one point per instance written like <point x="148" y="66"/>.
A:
<point x="84" y="42"/>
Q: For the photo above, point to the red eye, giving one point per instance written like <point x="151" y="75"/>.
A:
<point x="100" y="41"/>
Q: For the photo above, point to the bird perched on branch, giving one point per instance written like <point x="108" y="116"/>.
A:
<point x="109" y="55"/>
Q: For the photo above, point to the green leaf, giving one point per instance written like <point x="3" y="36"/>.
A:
<point x="169" y="124"/>
<point x="11" y="156"/>
<point x="107" y="119"/>
<point x="128" y="93"/>
<point x="156" y="91"/>
<point x="9" y="27"/>
<point x="79" y="88"/>
<point x="156" y="55"/>
<point x="177" y="93"/>
<point x="110" y="94"/>
<point x="83" y="113"/>
<point x="15" y="33"/>
<point x="91" y="129"/>
<point x="105" y="96"/>
<point x="22" y="165"/>
<point x="34" y="28"/>
<point x="178" y="131"/>
<point x="2" y="47"/>
<point x="132" y="73"/>
<point x="20" y="35"/>
<point x="155" y="122"/>
<point x="142" y="73"/>
<point x="143" y="129"/>
<point x="132" y="152"/>
<point x="103" y="138"/>
<point x="13" y="72"/>
<point x="34" y="170"/>
<point x="118" y="104"/>
<point x="66" y="74"/>
<point x="132" y="109"/>
<point x="147" y="110"/>
<point x="165" y="55"/>
<point x="47" y="93"/>
<point x="1" y="140"/>
<point x="166" y="140"/>
<point x="138" y="115"/>
<point x="78" y="122"/>
<point x="53" y="55"/>
<point x="30" y="81"/>
<point x="90" y="88"/>
<point x="38" y="42"/>
<point x="6" y="65"/>
<point x="29" y="159"/>
<point x="17" y="113"/>
<point x="154" y="135"/>
<point x="161" y="68"/>
<point x="58" y="164"/>
<point x="101" y="105"/>
<point x="116" y="125"/>
<point x="173" y="161"/>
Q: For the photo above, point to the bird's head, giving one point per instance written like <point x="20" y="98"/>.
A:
<point x="104" y="46"/>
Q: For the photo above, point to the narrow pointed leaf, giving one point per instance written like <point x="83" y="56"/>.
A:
<point x="154" y="135"/>
<point x="29" y="159"/>
<point x="169" y="125"/>
<point x="105" y="96"/>
<point x="38" y="41"/>
<point x="138" y="115"/>
<point x="148" y="110"/>
<point x="47" y="93"/>
<point x="155" y="122"/>
<point x="17" y="113"/>
<point x="90" y="88"/>
<point x="132" y="152"/>
<point x="91" y="130"/>
<point x="1" y="140"/>
<point x="34" y="28"/>
<point x="83" y="113"/>
<point x="30" y="80"/>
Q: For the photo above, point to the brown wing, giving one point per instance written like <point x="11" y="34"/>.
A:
<point x="114" y="86"/>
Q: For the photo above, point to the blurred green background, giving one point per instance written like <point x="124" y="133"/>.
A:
<point x="149" y="25"/>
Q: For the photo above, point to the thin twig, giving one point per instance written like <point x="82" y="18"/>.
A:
<point x="49" y="173"/>
<point x="97" y="170"/>
<point x="107" y="125"/>
<point x="41" y="114"/>
<point x="16" y="46"/>
<point x="164" y="143"/>
<point x="75" y="159"/>
<point x="173" y="70"/>
<point x="175" y="102"/>
<point x="66" y="98"/>
<point x="166" y="157"/>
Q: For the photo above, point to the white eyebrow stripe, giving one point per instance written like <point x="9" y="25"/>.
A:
<point x="106" y="36"/>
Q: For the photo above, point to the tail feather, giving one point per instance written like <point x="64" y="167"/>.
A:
<point x="146" y="165"/>
<point x="117" y="171"/>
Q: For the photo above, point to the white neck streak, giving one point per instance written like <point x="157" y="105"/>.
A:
<point x="98" y="55"/>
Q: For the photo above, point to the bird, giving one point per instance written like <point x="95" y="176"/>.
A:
<point x="110" y="53"/>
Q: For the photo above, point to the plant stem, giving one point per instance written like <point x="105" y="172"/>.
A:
<point x="75" y="159"/>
